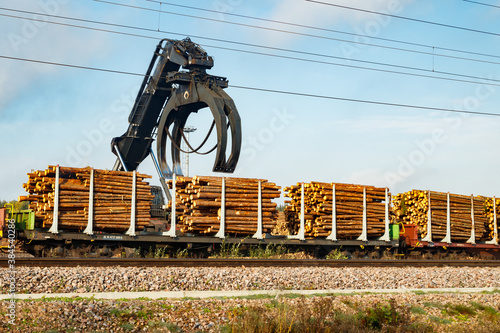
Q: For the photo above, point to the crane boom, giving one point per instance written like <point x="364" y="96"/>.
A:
<point x="167" y="96"/>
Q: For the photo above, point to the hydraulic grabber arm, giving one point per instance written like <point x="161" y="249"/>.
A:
<point x="168" y="95"/>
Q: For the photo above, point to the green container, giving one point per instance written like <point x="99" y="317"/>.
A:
<point x="394" y="231"/>
<point x="25" y="219"/>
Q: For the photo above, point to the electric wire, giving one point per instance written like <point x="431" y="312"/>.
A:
<point x="365" y="101"/>
<point x="405" y="18"/>
<point x="486" y="80"/>
<point x="482" y="3"/>
<point x="298" y="33"/>
<point x="277" y="91"/>
<point x="324" y="29"/>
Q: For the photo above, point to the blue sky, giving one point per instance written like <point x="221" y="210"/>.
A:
<point x="67" y="116"/>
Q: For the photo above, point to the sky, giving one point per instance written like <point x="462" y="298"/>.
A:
<point x="53" y="114"/>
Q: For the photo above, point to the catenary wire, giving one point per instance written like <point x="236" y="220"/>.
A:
<point x="324" y="29"/>
<point x="274" y="91"/>
<point x="486" y="80"/>
<point x="405" y="18"/>
<point x="479" y="3"/>
<point x="299" y="33"/>
<point x="220" y="40"/>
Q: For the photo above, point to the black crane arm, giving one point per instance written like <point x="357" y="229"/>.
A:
<point x="166" y="97"/>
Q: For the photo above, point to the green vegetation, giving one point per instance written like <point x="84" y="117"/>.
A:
<point x="439" y="320"/>
<point x="237" y="250"/>
<point x="418" y="310"/>
<point x="3" y="202"/>
<point x="127" y="326"/>
<point x="271" y="250"/>
<point x="181" y="253"/>
<point x="495" y="291"/>
<point x="321" y="316"/>
<point x="336" y="254"/>
<point x="433" y="305"/>
<point x="229" y="250"/>
<point x="283" y="313"/>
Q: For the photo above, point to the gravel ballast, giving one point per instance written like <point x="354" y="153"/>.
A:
<point x="211" y="315"/>
<point x="89" y="279"/>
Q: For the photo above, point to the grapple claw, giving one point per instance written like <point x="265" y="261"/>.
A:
<point x="191" y="98"/>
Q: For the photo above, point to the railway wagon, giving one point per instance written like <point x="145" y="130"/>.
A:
<point x="166" y="228"/>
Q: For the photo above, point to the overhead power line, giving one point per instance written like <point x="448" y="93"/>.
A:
<point x="367" y="101"/>
<point x="407" y="18"/>
<point x="233" y="42"/>
<point x="71" y="66"/>
<point x="482" y="3"/>
<point x="433" y="54"/>
<point x="267" y="90"/>
<point x="323" y="29"/>
<point x="488" y="81"/>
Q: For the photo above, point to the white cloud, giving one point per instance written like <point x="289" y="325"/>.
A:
<point x="39" y="40"/>
<point x="324" y="16"/>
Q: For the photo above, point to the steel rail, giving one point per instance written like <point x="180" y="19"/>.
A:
<point x="218" y="262"/>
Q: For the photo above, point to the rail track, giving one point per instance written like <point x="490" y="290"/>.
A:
<point x="216" y="262"/>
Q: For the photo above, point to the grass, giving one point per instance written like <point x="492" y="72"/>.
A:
<point x="271" y="250"/>
<point x="495" y="291"/>
<point x="440" y="320"/>
<point x="321" y="316"/>
<point x="229" y="250"/>
<point x="488" y="310"/>
<point x="181" y="253"/>
<point x="336" y="254"/>
<point x="433" y="305"/>
<point x="298" y="313"/>
<point x="418" y="310"/>
<point x="235" y="250"/>
<point x="127" y="326"/>
<point x="460" y="309"/>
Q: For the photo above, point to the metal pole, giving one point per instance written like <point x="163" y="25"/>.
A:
<point x="55" y="220"/>
<point x="187" y="130"/>
<point x="160" y="174"/>
<point x="89" y="230"/>
<point x="120" y="158"/>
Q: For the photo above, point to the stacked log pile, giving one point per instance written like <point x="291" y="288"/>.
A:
<point x="198" y="205"/>
<point x="489" y="212"/>
<point x="412" y="207"/>
<point x="112" y="200"/>
<point x="318" y="209"/>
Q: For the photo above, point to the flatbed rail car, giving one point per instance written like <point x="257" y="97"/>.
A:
<point x="402" y="242"/>
<point x="400" y="239"/>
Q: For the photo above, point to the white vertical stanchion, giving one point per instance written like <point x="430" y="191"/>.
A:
<point x="173" y="217"/>
<point x="258" y="234"/>
<point x="364" y="233"/>
<point x="300" y="235"/>
<point x="428" y="237"/>
<point x="54" y="228"/>
<point x="333" y="234"/>
<point x="90" y="222"/>
<point x="386" y="236"/>
<point x="222" y="227"/>
<point x="495" y="225"/>
<point x="495" y="231"/>
<point x="447" y="238"/>
<point x="131" y="229"/>
<point x="472" y="239"/>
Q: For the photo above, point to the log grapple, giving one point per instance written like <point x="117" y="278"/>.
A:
<point x="178" y="86"/>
